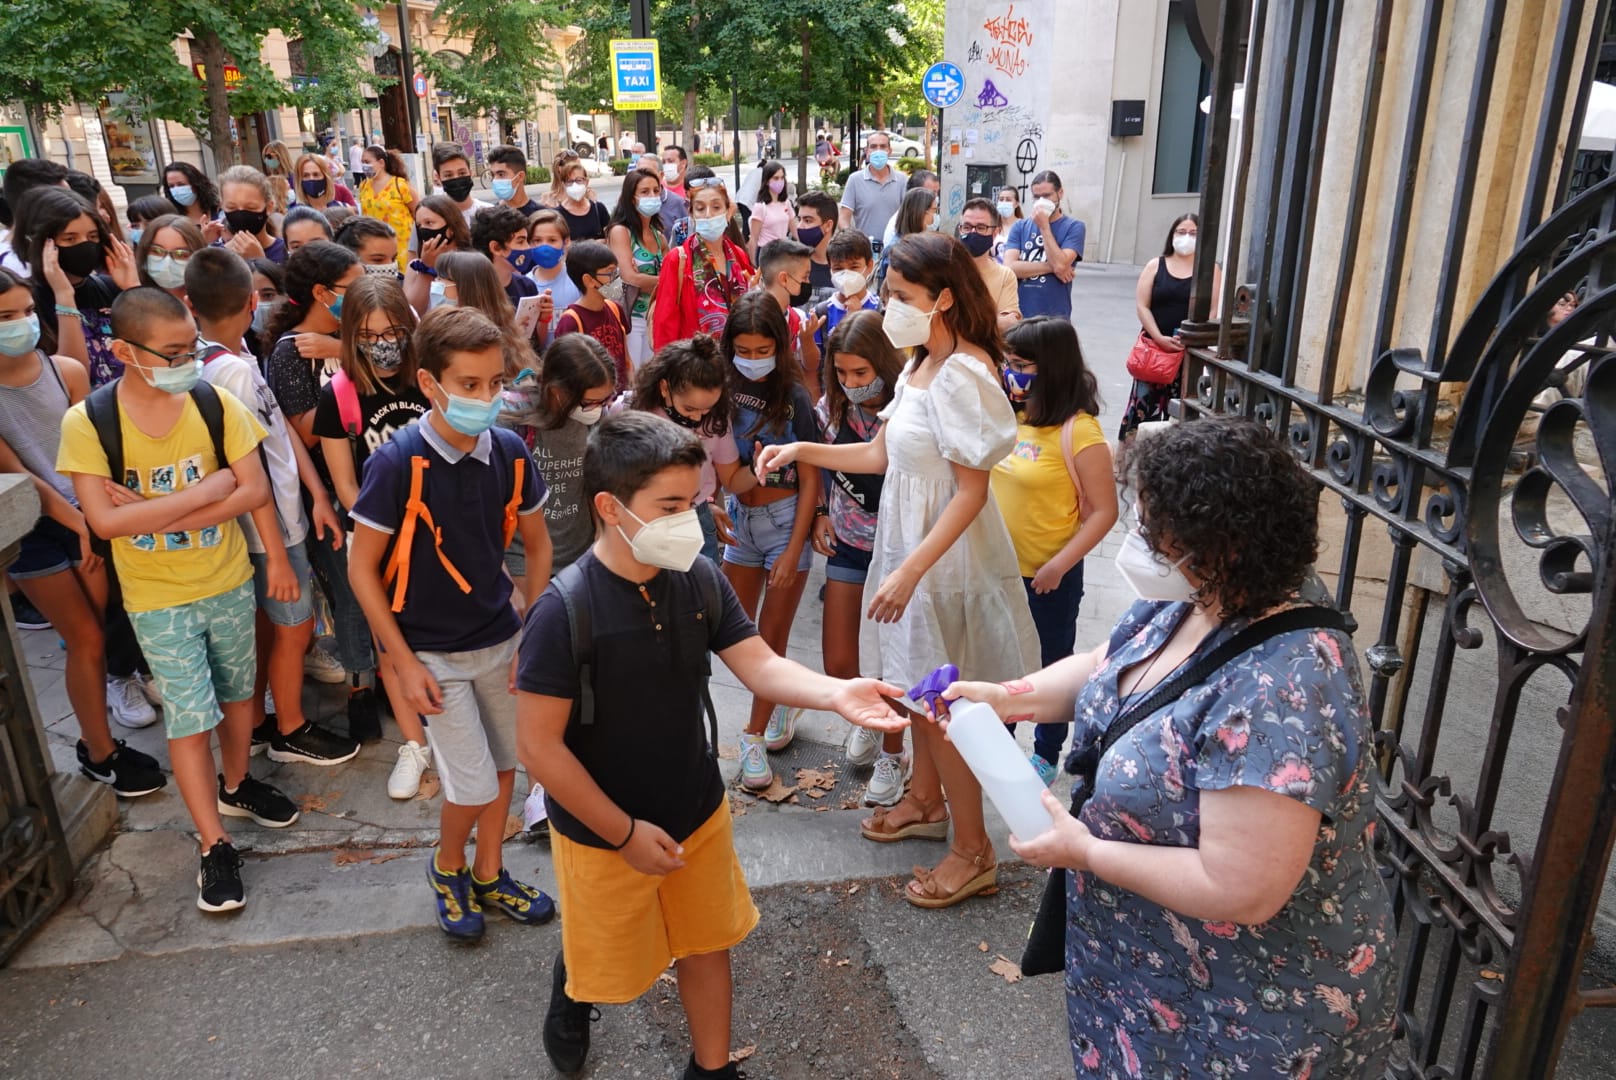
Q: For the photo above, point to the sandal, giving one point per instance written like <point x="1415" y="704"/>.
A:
<point x="875" y="827"/>
<point x="985" y="883"/>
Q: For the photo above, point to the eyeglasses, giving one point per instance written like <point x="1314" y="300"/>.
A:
<point x="980" y="230"/>
<point x="706" y="181"/>
<point x="178" y="254"/>
<point x="171" y="361"/>
<point x="392" y="333"/>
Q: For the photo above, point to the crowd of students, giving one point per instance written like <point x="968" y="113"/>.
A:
<point x="426" y="422"/>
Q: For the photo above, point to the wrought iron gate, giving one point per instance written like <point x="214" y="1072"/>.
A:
<point x="36" y="871"/>
<point x="1493" y="928"/>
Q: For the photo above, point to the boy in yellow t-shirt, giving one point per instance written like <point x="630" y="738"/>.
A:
<point x="182" y="560"/>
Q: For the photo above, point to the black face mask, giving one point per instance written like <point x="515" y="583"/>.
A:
<point x="80" y="260"/>
<point x="680" y="418"/>
<point x="976" y="244"/>
<point x="426" y="235"/>
<point x="250" y="222"/>
<point x="810" y="236"/>
<point x="458" y="188"/>
<point x="313" y="189"/>
<point x="803" y="295"/>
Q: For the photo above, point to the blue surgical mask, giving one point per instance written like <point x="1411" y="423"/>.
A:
<point x="754" y="369"/>
<point x="709" y="228"/>
<point x="19" y="337"/>
<point x="470" y="416"/>
<point x="546" y="255"/>
<point x="183" y="195"/>
<point x="261" y="315"/>
<point x="858" y="395"/>
<point x="650" y="204"/>
<point x="503" y="189"/>
<point x="878" y="159"/>
<point x="135" y="235"/>
<point x="440" y="296"/>
<point x="165" y="271"/>
<point x="335" y="307"/>
<point x="173" y="380"/>
<point x="1006" y="210"/>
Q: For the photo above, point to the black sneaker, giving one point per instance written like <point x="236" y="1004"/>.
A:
<point x="312" y="745"/>
<point x="127" y="770"/>
<point x="27" y="615"/>
<point x="218" y="882"/>
<point x="730" y="1071"/>
<point x="566" y="1024"/>
<point x="259" y="801"/>
<point x="364" y="715"/>
<point x="262" y="734"/>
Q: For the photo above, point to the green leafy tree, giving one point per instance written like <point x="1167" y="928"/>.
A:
<point x="511" y="57"/>
<point x="53" y="54"/>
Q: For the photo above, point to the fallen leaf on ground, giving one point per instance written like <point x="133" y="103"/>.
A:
<point x="743" y="1053"/>
<point x="513" y="825"/>
<point x="729" y="752"/>
<point x="815" y="779"/>
<point x="815" y="793"/>
<point x="777" y="792"/>
<point x="387" y="856"/>
<point x="313" y="803"/>
<point x="1009" y="969"/>
<point x="429" y="786"/>
<point x="982" y="947"/>
<point x="852" y="890"/>
<point x="350" y="856"/>
<point x="668" y="977"/>
<point x="843" y="963"/>
<point x="1488" y="974"/>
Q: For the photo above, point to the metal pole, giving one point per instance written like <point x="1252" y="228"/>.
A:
<point x="412" y="102"/>
<point x="735" y="125"/>
<point x="644" y="119"/>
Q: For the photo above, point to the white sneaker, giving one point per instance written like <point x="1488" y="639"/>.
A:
<point x="321" y="666"/>
<point x="127" y="704"/>
<point x="886" y="783"/>
<point x="149" y="688"/>
<point x="862" y="746"/>
<point x="533" y="809"/>
<point x="756" y="772"/>
<point x="413" y="760"/>
<point x="781" y="729"/>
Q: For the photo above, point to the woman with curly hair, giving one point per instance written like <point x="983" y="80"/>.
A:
<point x="1222" y="900"/>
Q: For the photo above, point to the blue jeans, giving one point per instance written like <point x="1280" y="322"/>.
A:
<point x="1055" y="616"/>
<point x="709" y="534"/>
<point x="348" y="619"/>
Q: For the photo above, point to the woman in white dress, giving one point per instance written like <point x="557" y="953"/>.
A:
<point x="944" y="585"/>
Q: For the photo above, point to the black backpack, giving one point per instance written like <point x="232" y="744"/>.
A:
<point x="102" y="409"/>
<point x="573" y="588"/>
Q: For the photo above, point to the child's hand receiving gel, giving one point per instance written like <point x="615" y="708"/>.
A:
<point x="866" y="703"/>
<point x="773" y="459"/>
<point x="652" y="851"/>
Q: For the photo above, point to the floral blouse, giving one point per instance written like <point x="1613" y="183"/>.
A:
<point x="1152" y="993"/>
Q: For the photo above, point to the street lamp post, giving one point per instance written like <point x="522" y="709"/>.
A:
<point x="640" y="27"/>
<point x="407" y="66"/>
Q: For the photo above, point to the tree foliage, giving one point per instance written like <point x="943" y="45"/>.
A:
<point x="510" y="59"/>
<point x="53" y="54"/>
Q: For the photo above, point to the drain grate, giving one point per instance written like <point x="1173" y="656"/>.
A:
<point x="805" y="754"/>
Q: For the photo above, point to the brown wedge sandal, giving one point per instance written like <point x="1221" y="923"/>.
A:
<point x="931" y="895"/>
<point x="875" y="826"/>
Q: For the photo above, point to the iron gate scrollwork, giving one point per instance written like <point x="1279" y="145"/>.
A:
<point x="1498" y="504"/>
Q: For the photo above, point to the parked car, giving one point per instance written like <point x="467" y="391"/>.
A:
<point x="904" y="146"/>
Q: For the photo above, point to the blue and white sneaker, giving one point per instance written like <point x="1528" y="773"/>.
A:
<point x="756" y="772"/>
<point x="458" y="912"/>
<point x="1046" y="770"/>
<point x="782" y="728"/>
<point x="523" y="903"/>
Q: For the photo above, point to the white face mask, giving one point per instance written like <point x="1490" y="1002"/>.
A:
<point x="587" y="417"/>
<point x="576" y="191"/>
<point x="1184" y="243"/>
<point x="670" y="171"/>
<point x="1150" y="576"/>
<point x="668" y="543"/>
<point x="848" y="282"/>
<point x="906" y="326"/>
<point x="1046" y="206"/>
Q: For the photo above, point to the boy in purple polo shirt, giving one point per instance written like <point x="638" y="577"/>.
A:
<point x="437" y="510"/>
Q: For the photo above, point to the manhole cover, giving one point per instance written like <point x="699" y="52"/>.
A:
<point x="820" y="762"/>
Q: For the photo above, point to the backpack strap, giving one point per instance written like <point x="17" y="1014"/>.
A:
<point x="712" y="610"/>
<point x="102" y="409"/>
<point x="212" y="410"/>
<point x="415" y="510"/>
<point x="571" y="585"/>
<point x="347" y="396"/>
<point x="1066" y="456"/>
<point x="513" y="509"/>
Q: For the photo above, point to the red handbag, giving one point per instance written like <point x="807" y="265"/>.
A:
<point x="1150" y="363"/>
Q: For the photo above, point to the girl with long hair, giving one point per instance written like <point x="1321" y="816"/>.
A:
<point x="635" y="237"/>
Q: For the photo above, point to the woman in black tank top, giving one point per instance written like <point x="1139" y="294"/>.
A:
<point x="1163" y="302"/>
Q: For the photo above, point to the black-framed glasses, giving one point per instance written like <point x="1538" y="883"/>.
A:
<point x="172" y="361"/>
<point x="392" y="333"/>
<point x="178" y="254"/>
<point x="980" y="230"/>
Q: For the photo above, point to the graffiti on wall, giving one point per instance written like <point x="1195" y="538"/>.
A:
<point x="1002" y="118"/>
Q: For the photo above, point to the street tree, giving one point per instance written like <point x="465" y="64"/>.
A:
<point x="510" y="59"/>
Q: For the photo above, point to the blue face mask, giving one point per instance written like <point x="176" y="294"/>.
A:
<point x="709" y="228"/>
<point x="470" y="416"/>
<point x="440" y="296"/>
<point x="546" y="255"/>
<point x="182" y="195"/>
<point x="19" y="337"/>
<point x="335" y="308"/>
<point x="521" y="259"/>
<point x="178" y="379"/>
<point x="878" y="159"/>
<point x="135" y="235"/>
<point x="503" y="189"/>
<point x="754" y="369"/>
<point x="1019" y="383"/>
<point x="650" y="204"/>
<point x="167" y="273"/>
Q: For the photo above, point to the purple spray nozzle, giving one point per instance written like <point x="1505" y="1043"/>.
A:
<point x="926" y="692"/>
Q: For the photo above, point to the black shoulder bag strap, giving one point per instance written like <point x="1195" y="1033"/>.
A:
<point x="574" y="592"/>
<point x="712" y="606"/>
<point x="1045" y="952"/>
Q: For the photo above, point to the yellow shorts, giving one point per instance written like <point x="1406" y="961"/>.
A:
<point x="620" y="928"/>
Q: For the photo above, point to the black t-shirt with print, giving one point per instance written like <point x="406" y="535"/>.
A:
<point x="647" y="747"/>
<point x="381" y="416"/>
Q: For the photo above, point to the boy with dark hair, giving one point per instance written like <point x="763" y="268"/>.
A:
<point x="451" y="169"/>
<point x="23" y="176"/>
<point x="437" y="510"/>
<point x="591" y="267"/>
<point x="644" y="854"/>
<point x="507" y="172"/>
<point x="816" y="226"/>
<point x="852" y="261"/>
<point x="170" y="514"/>
<point x="501" y="234"/>
<point x="783" y="272"/>
<point x="219" y="290"/>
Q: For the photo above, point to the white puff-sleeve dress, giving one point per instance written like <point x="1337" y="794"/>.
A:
<point x="970" y="608"/>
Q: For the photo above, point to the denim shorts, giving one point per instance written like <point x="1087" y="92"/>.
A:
<point x="849" y="564"/>
<point x="281" y="613"/>
<point x="49" y="548"/>
<point x="202" y="654"/>
<point x="762" y="534"/>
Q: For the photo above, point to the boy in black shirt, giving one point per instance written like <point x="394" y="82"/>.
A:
<point x="644" y="855"/>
